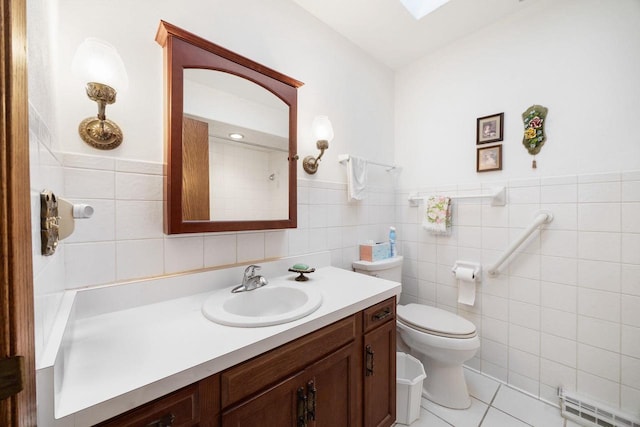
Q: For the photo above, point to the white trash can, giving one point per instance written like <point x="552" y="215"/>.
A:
<point x="409" y="377"/>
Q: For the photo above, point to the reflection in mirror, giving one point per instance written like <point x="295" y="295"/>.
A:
<point x="235" y="149"/>
<point x="213" y="181"/>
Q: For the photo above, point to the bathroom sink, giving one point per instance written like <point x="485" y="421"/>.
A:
<point x="266" y="306"/>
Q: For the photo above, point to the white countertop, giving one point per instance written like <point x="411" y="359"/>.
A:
<point x="118" y="360"/>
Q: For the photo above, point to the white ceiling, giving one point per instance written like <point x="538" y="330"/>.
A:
<point x="386" y="30"/>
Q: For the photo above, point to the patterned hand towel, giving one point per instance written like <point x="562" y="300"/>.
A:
<point x="437" y="218"/>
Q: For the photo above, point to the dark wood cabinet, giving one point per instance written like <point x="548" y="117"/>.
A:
<point x="380" y="365"/>
<point x="340" y="375"/>
<point x="276" y="406"/>
<point x="323" y="395"/>
<point x="335" y="394"/>
<point x="194" y="405"/>
<point x="311" y="382"/>
<point x="266" y="370"/>
<point x="380" y="377"/>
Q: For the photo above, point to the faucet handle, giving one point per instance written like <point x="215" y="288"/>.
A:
<point x="250" y="271"/>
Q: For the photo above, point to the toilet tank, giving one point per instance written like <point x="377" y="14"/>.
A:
<point x="390" y="268"/>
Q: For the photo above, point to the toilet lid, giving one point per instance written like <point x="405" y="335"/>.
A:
<point x="435" y="321"/>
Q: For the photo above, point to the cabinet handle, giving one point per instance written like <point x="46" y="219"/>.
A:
<point x="383" y="314"/>
<point x="302" y="408"/>
<point x="369" y="361"/>
<point x="165" y="421"/>
<point x="311" y="404"/>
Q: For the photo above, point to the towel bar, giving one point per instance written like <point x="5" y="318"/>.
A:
<point x="343" y="158"/>
<point x="498" y="197"/>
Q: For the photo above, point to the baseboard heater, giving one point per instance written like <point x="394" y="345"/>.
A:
<point x="589" y="413"/>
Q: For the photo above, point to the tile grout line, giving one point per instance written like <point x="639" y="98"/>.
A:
<point x="440" y="418"/>
<point x="530" y="396"/>
<point x="427" y="410"/>
<point x="490" y="405"/>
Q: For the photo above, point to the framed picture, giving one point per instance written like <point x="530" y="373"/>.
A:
<point x="489" y="159"/>
<point x="489" y="129"/>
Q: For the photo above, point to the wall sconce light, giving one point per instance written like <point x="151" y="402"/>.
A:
<point x="323" y="133"/>
<point x="99" y="65"/>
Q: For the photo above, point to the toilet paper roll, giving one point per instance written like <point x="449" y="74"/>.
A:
<point x="466" y="285"/>
<point x="465" y="273"/>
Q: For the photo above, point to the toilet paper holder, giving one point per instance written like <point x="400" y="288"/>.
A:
<point x="474" y="266"/>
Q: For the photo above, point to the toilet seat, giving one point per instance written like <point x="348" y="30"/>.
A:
<point x="435" y="321"/>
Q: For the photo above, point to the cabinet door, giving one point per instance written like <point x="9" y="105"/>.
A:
<point x="332" y="389"/>
<point x="275" y="407"/>
<point x="263" y="372"/>
<point x="380" y="376"/>
<point x="323" y="395"/>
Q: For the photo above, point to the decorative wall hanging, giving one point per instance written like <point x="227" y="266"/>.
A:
<point x="534" y="136"/>
<point x="489" y="129"/>
<point x="489" y="159"/>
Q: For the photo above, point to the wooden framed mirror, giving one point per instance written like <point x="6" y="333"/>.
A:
<point x="230" y="139"/>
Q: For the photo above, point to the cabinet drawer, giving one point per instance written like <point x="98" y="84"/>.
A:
<point x="177" y="409"/>
<point x="248" y="378"/>
<point x="380" y="313"/>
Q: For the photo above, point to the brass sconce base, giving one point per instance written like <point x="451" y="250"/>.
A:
<point x="310" y="165"/>
<point x="101" y="134"/>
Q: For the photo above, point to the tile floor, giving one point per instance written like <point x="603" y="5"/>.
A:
<point x="494" y="404"/>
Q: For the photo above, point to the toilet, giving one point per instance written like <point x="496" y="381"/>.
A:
<point x="441" y="340"/>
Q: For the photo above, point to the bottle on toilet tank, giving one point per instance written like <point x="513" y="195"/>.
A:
<point x="392" y="241"/>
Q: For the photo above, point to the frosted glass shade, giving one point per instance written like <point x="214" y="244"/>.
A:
<point x="98" y="61"/>
<point x="322" y="129"/>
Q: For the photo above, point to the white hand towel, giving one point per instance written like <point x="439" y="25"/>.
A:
<point x="356" y="178"/>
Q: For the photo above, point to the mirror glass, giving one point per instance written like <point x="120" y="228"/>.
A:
<point x="242" y="150"/>
<point x="231" y="148"/>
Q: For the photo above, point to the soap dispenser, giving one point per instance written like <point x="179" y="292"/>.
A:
<point x="392" y="242"/>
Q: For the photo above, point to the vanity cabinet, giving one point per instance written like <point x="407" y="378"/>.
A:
<point x="340" y="375"/>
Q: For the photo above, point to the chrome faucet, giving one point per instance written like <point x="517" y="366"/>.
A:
<point x="250" y="280"/>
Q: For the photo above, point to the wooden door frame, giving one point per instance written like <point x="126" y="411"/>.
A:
<point x="16" y="269"/>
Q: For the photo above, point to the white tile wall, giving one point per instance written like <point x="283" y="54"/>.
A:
<point x="559" y="323"/>
<point x="630" y="341"/>
<point x="125" y="240"/>
<point x="213" y="256"/>
<point x="599" y="388"/>
<point x="564" y="310"/>
<point x="48" y="272"/>
<point x="558" y="270"/>
<point x="139" y="258"/>
<point x="599" y="362"/>
<point x="556" y="374"/>
<point x="599" y="333"/>
<point x="630" y="310"/>
<point x="183" y="253"/>
<point x="630" y="251"/>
